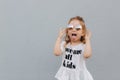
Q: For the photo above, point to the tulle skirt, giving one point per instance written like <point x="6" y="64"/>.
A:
<point x="73" y="74"/>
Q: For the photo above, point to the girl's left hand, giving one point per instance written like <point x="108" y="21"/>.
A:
<point x="88" y="35"/>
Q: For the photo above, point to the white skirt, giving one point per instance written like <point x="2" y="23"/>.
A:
<point x="73" y="74"/>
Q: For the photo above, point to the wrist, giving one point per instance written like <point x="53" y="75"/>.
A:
<point x="88" y="40"/>
<point x="59" y="38"/>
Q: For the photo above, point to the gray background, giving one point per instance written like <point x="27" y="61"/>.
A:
<point x="29" y="28"/>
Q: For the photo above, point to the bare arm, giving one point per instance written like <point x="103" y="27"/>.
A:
<point x="88" y="49"/>
<point x="57" y="47"/>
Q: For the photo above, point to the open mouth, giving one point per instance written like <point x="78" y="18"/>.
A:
<point x="74" y="34"/>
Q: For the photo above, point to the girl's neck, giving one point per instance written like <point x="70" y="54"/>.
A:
<point x="74" y="43"/>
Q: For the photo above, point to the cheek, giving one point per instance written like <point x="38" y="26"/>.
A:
<point x="79" y="34"/>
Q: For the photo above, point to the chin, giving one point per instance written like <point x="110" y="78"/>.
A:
<point x="75" y="40"/>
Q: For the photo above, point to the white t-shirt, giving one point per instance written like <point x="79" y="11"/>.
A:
<point x="73" y="65"/>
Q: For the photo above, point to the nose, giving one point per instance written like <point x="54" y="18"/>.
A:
<point x="74" y="29"/>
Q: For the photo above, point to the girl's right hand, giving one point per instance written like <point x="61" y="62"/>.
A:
<point x="62" y="32"/>
<point x="88" y="35"/>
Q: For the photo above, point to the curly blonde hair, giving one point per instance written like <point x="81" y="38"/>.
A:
<point x="82" y="22"/>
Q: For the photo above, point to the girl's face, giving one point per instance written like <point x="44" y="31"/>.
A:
<point x="74" y="32"/>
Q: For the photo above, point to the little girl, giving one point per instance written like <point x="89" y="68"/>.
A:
<point x="75" y="49"/>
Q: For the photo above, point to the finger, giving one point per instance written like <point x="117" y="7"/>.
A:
<point x="89" y="33"/>
<point x="63" y="30"/>
<point x="60" y="29"/>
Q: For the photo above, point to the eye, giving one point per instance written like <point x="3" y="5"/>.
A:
<point x="70" y="28"/>
<point x="78" y="29"/>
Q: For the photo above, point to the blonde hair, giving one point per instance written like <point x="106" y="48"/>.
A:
<point x="82" y="22"/>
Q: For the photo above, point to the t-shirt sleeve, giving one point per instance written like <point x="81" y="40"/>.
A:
<point x="62" y="46"/>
